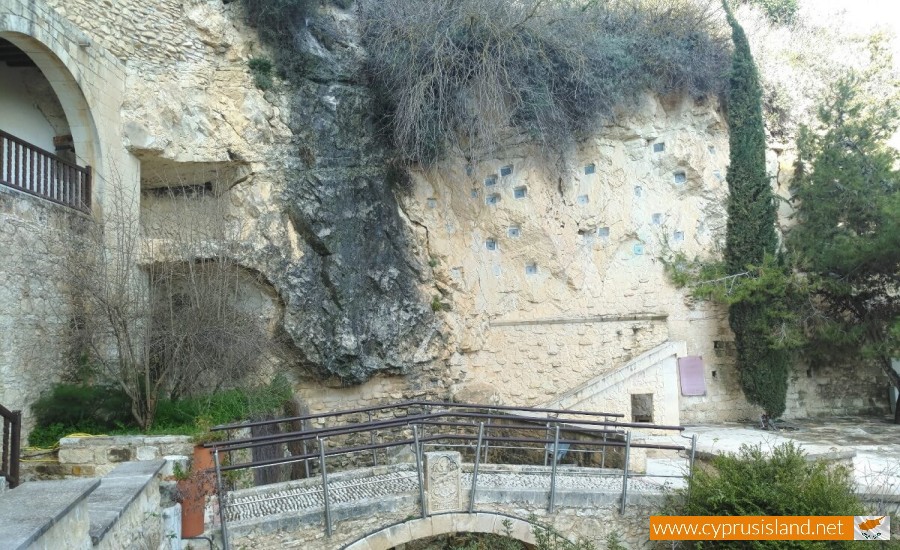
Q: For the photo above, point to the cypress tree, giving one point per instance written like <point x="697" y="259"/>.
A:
<point x="751" y="235"/>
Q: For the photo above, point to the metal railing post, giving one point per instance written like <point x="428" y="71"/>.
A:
<point x="603" y="452"/>
<point x="372" y="442"/>
<point x="546" y="454"/>
<point x="222" y="499"/>
<point x="305" y="450"/>
<point x="553" y="471"/>
<point x="475" y="470"/>
<point x="625" y="472"/>
<point x="419" y="474"/>
<point x="325" y="487"/>
<point x="487" y="443"/>
<point x="691" y="464"/>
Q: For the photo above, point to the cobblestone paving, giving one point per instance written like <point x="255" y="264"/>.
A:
<point x="294" y="499"/>
<point x="539" y="480"/>
<point x="298" y="498"/>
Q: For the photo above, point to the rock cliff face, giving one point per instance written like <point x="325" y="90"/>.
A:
<point x="491" y="282"/>
<point x="354" y="307"/>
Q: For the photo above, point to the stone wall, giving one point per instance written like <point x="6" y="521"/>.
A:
<point x="36" y="314"/>
<point x="97" y="456"/>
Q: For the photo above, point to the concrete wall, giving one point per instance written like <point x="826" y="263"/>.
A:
<point x="30" y="108"/>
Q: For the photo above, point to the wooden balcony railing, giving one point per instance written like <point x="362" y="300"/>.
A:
<point x="41" y="173"/>
<point x="12" y="439"/>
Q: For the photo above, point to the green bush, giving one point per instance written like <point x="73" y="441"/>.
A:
<point x="102" y="409"/>
<point x="754" y="483"/>
<point x="261" y="68"/>
<point x="95" y="407"/>
<point x="462" y="74"/>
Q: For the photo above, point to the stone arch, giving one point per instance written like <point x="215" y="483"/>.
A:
<point x="63" y="73"/>
<point x="445" y="524"/>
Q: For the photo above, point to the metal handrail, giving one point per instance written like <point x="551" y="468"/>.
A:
<point x="28" y="168"/>
<point x="444" y="431"/>
<point x="406" y="405"/>
<point x="12" y="435"/>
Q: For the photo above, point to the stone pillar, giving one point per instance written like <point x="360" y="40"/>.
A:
<point x="442" y="472"/>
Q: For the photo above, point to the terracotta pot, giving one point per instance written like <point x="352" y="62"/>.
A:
<point x="193" y="504"/>
<point x="203" y="469"/>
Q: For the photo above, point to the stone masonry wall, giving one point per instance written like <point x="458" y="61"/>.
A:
<point x="97" y="456"/>
<point x="35" y="312"/>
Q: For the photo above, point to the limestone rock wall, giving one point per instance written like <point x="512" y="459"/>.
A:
<point x="512" y="291"/>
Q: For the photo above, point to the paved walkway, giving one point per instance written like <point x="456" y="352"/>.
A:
<point x="870" y="446"/>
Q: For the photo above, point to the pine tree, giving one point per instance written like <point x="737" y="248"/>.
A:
<point x="751" y="236"/>
<point x="847" y="239"/>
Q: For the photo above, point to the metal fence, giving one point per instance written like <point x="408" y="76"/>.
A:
<point x="516" y="435"/>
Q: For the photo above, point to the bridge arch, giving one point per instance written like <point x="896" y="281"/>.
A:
<point x="446" y="524"/>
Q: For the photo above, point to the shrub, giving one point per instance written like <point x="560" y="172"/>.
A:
<point x="752" y="483"/>
<point x="261" y="68"/>
<point x="104" y="409"/>
<point x="463" y="74"/>
<point x="88" y="407"/>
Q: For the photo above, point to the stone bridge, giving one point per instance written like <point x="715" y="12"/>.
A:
<point x="482" y="470"/>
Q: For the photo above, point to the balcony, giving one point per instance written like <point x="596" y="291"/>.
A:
<point x="38" y="172"/>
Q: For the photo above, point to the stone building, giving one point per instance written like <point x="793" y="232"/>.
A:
<point x="492" y="283"/>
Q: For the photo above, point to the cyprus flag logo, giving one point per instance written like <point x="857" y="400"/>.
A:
<point x="871" y="528"/>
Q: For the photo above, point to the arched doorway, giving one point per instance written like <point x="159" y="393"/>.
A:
<point x="49" y="140"/>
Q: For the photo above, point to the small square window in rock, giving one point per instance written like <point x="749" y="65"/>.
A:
<point x="493" y="198"/>
<point x="656" y="219"/>
<point x="531" y="269"/>
<point x="520" y="192"/>
<point x="506" y="170"/>
<point x="638" y="190"/>
<point x="590" y="168"/>
<point x="711" y="149"/>
<point x="603" y="232"/>
<point x="470" y="170"/>
<point x="474" y="193"/>
<point x="638" y="249"/>
<point x="583" y="199"/>
<point x="680" y="178"/>
<point x="432" y="203"/>
<point x="659" y="147"/>
<point x="718" y="175"/>
<point x="490" y="180"/>
<point x="642" y="407"/>
<point x="490" y="244"/>
<point x="514" y="232"/>
<point x="678" y="236"/>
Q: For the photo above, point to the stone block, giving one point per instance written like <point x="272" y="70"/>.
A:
<point x="119" y="454"/>
<point x="147" y="452"/>
<point x="76" y="456"/>
<point x="442" y="475"/>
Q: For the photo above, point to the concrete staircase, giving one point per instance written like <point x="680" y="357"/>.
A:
<point x="653" y="372"/>
<point x="113" y="512"/>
